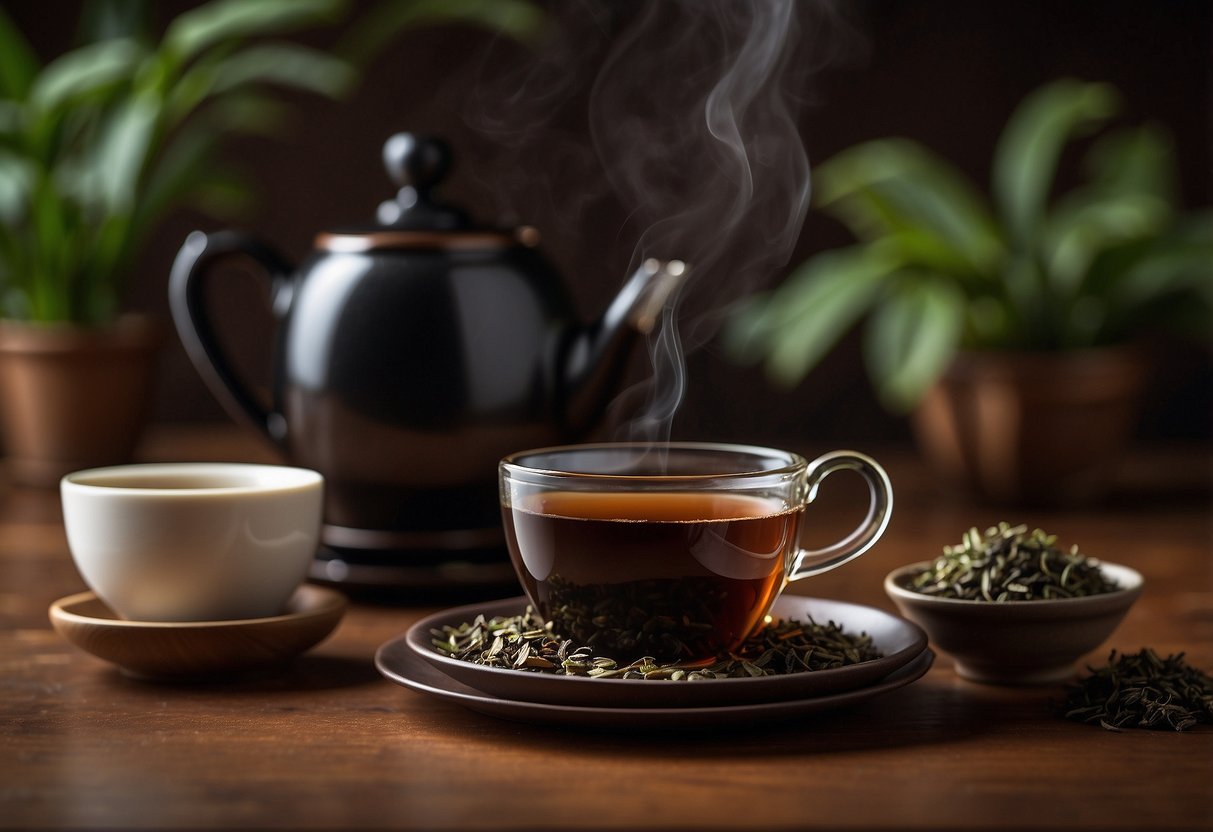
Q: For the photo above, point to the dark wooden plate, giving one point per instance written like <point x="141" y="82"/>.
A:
<point x="898" y="639"/>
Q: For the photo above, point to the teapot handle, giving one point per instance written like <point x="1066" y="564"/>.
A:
<point x="194" y="326"/>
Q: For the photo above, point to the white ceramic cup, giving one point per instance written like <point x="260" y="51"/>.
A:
<point x="193" y="541"/>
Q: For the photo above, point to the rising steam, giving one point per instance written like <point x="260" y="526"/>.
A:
<point x="692" y="116"/>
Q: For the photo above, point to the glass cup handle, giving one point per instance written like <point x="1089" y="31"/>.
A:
<point x="880" y="509"/>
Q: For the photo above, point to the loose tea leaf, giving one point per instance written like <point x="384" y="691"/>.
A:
<point x="528" y="643"/>
<point x="791" y="646"/>
<point x="1008" y="564"/>
<point x="674" y="619"/>
<point x="1142" y="691"/>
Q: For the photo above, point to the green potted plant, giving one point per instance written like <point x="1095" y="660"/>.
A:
<point x="1009" y="325"/>
<point x="97" y="146"/>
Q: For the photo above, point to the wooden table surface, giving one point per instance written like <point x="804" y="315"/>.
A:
<point x="328" y="743"/>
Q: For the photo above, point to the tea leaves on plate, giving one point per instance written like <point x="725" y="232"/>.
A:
<point x="1142" y="690"/>
<point x="676" y="620"/>
<point x="1009" y="564"/>
<point x="526" y="642"/>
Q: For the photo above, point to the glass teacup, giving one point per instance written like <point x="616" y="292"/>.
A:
<point x="675" y="551"/>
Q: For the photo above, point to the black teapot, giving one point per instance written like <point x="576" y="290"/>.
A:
<point x="410" y="356"/>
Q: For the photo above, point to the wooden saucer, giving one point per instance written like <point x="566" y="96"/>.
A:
<point x="198" y="649"/>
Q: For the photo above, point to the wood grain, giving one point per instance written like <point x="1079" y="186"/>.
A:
<point x="327" y="743"/>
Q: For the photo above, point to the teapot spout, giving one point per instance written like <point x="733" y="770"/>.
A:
<point x="641" y="300"/>
<point x="596" y="356"/>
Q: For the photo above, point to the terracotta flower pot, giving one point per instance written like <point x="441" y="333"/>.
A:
<point x="74" y="397"/>
<point x="1033" y="428"/>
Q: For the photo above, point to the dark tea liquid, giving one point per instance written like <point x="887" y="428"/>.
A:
<point x="679" y="576"/>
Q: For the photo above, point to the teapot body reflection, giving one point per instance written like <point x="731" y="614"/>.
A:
<point x="410" y="357"/>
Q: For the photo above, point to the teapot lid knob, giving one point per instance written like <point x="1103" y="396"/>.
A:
<point x="417" y="164"/>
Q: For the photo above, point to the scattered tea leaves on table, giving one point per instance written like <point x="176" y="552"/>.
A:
<point x="1142" y="690"/>
<point x="526" y="642"/>
<point x="1009" y="564"/>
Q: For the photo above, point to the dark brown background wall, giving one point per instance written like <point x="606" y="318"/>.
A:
<point x="946" y="72"/>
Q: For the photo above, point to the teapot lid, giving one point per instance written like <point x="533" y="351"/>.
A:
<point x="414" y="218"/>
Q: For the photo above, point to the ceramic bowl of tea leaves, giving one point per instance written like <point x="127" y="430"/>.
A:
<point x="1010" y="608"/>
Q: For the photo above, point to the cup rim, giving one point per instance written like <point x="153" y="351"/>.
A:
<point x="124" y="479"/>
<point x="794" y="464"/>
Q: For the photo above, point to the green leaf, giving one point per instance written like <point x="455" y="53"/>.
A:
<point x="1130" y="196"/>
<point x="516" y="19"/>
<point x="48" y="282"/>
<point x="1030" y="311"/>
<point x="1025" y="159"/>
<point x="86" y="71"/>
<point x="911" y="337"/>
<point x="102" y="276"/>
<point x="1136" y="160"/>
<point x="123" y="149"/>
<point x="896" y="186"/>
<point x="928" y="250"/>
<point x="286" y="65"/>
<point x="1090" y="221"/>
<point x="191" y="88"/>
<point x="18" y="62"/>
<point x="1136" y="282"/>
<point x="751" y="325"/>
<point x="12" y="118"/>
<point x="16" y="182"/>
<point x="1186" y="311"/>
<point x="250" y="114"/>
<point x="797" y="324"/>
<point x="1169" y="266"/>
<point x="225" y="194"/>
<point x="105" y="176"/>
<point x="225" y="82"/>
<point x="109" y="19"/>
<point x="185" y="162"/>
<point x="224" y="21"/>
<point x="988" y="322"/>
